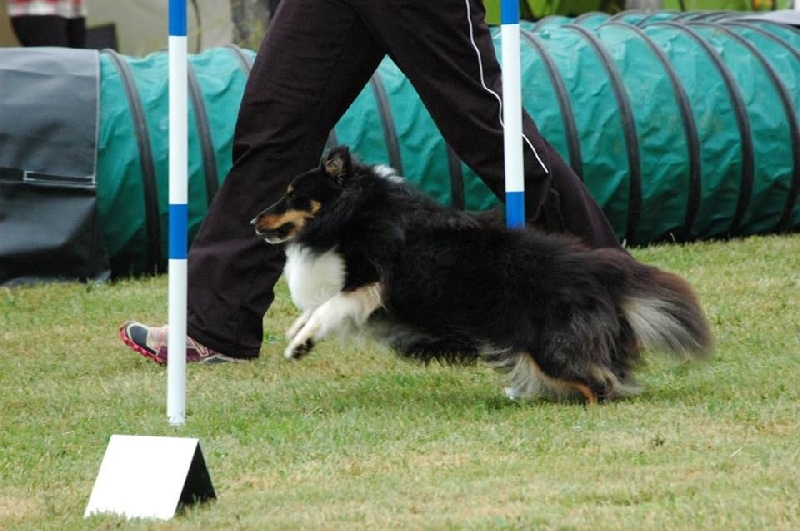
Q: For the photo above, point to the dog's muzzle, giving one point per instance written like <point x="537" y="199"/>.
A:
<point x="273" y="236"/>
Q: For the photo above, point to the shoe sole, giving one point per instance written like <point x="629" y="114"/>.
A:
<point x="123" y="334"/>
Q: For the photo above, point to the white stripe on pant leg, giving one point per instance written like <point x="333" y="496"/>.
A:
<point x="490" y="91"/>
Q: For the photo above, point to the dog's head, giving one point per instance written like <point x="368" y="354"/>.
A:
<point x="306" y="196"/>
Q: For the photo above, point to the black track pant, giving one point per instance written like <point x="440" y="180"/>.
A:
<point x="315" y="59"/>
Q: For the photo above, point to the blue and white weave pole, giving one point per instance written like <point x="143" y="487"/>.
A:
<point x="178" y="213"/>
<point x="512" y="113"/>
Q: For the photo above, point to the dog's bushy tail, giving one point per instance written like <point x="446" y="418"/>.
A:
<point x="662" y="310"/>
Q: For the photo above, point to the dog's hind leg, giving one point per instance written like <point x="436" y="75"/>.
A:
<point x="526" y="379"/>
<point x="336" y="313"/>
<point x="563" y="387"/>
<point x="577" y="353"/>
<point x="594" y="382"/>
<point x="559" y="387"/>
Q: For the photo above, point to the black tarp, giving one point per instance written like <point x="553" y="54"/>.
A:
<point x="48" y="143"/>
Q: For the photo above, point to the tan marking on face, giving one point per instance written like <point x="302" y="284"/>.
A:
<point x="273" y="221"/>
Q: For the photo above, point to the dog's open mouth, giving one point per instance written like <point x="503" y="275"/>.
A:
<point x="280" y="234"/>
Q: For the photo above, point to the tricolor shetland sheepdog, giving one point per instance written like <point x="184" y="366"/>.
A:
<point x="367" y="252"/>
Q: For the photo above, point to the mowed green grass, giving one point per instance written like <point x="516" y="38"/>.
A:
<point x="354" y="438"/>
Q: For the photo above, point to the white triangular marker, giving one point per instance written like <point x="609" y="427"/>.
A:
<point x="150" y="477"/>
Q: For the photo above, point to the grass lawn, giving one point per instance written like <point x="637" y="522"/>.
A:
<point x="353" y="437"/>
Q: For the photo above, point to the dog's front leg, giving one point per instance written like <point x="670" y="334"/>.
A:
<point x="298" y="324"/>
<point x="338" y="311"/>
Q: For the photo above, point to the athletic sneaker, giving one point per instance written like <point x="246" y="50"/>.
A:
<point x="151" y="342"/>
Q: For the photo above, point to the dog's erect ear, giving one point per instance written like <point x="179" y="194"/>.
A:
<point x="337" y="163"/>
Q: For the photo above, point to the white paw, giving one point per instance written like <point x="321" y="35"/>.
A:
<point x="512" y="393"/>
<point x="298" y="349"/>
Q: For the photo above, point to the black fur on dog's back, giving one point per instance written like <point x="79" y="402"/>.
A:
<point x="574" y="310"/>
<point x="549" y="311"/>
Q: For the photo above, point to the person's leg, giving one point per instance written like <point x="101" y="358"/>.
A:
<point x="445" y="50"/>
<point x="40" y="30"/>
<point x="314" y="61"/>
<point x="273" y="8"/>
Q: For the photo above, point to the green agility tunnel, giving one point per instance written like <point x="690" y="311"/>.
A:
<point x="133" y="148"/>
<point x="683" y="127"/>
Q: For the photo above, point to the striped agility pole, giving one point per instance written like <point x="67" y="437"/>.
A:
<point x="512" y="112"/>
<point x="178" y="213"/>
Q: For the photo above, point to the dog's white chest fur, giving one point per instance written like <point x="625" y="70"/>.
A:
<point x="312" y="278"/>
